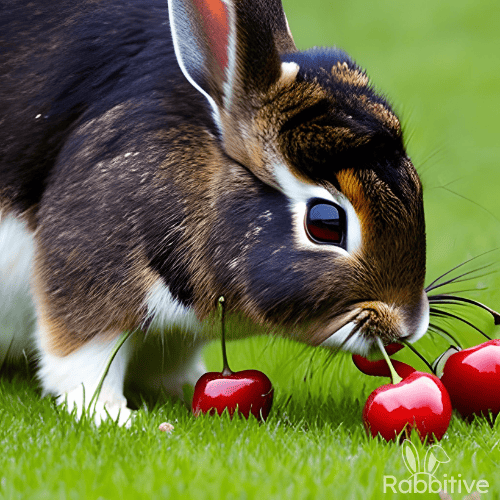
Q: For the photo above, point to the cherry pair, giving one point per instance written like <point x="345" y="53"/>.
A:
<point x="469" y="382"/>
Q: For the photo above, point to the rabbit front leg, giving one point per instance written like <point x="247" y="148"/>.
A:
<point x="77" y="329"/>
<point x="161" y="360"/>
<point x="74" y="377"/>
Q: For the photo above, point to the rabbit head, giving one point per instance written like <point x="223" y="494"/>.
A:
<point x="313" y="213"/>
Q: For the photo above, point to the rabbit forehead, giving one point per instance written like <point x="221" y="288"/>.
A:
<point x="347" y="85"/>
<point x="321" y="121"/>
<point x="327" y="127"/>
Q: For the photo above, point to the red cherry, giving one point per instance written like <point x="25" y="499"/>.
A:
<point x="393" y="348"/>
<point x="247" y="391"/>
<point x="419" y="401"/>
<point x="472" y="378"/>
<point x="379" y="368"/>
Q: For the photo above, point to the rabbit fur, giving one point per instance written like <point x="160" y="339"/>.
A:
<point x="154" y="157"/>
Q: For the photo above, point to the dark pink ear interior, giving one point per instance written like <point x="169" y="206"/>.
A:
<point x="216" y="28"/>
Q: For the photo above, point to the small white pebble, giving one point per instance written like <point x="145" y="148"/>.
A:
<point x="166" y="427"/>
<point x="128" y="154"/>
<point x="38" y="116"/>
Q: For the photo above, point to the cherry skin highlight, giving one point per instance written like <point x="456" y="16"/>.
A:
<point x="472" y="378"/>
<point x="419" y="401"/>
<point x="245" y="392"/>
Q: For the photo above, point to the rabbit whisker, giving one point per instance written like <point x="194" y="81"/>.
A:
<point x="457" y="279"/>
<point x="444" y="334"/>
<point x="430" y="286"/>
<point x="438" y="313"/>
<point x="455" y="299"/>
<point x="352" y="335"/>
<point x="324" y="337"/>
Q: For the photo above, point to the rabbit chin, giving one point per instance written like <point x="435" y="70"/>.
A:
<point x="357" y="343"/>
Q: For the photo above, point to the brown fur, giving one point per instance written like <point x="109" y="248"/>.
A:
<point x="356" y="77"/>
<point x="103" y="310"/>
<point x="140" y="185"/>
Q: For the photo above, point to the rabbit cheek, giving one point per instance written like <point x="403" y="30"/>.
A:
<point x="257" y="247"/>
<point x="266" y="268"/>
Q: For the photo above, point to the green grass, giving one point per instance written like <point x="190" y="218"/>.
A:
<point x="438" y="63"/>
<point x="312" y="446"/>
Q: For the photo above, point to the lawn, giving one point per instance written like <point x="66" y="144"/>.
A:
<point x="438" y="63"/>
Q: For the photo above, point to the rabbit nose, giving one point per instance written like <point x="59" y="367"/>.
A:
<point x="392" y="323"/>
<point x="357" y="329"/>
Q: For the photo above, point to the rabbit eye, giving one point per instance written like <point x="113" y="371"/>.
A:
<point x="325" y="223"/>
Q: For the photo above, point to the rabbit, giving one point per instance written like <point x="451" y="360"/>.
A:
<point x="154" y="157"/>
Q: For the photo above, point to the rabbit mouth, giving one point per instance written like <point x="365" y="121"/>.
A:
<point x="357" y="330"/>
<point x="351" y="332"/>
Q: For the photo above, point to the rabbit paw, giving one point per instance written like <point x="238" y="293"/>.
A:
<point x="108" y="406"/>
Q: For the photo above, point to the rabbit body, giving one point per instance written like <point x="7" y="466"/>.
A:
<point x="159" y="163"/>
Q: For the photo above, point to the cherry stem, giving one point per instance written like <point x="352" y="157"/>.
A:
<point x="226" y="371"/>
<point x="407" y="344"/>
<point x="395" y="378"/>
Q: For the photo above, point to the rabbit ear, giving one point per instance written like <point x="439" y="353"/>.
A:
<point x="228" y="49"/>
<point x="435" y="455"/>
<point x="410" y="457"/>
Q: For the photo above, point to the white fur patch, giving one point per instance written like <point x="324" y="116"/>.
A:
<point x="110" y="405"/>
<point x="300" y="193"/>
<point x="62" y="374"/>
<point x="75" y="377"/>
<point x="166" y="312"/>
<point x="289" y="72"/>
<point x="17" y="312"/>
<point x="357" y="344"/>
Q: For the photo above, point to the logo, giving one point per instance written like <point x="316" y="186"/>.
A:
<point x="423" y="476"/>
